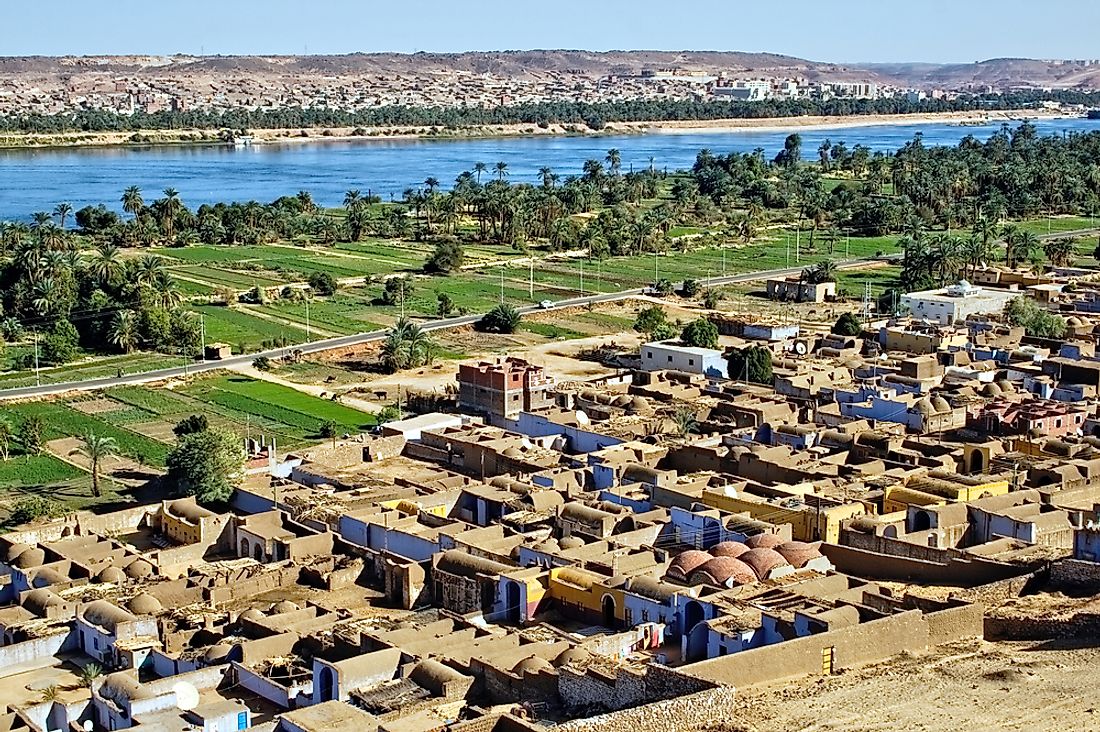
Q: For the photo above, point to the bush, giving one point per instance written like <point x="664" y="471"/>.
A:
<point x="700" y="333"/>
<point x="261" y="363"/>
<point x="653" y="321"/>
<point x="62" y="344"/>
<point x="397" y="290"/>
<point x="711" y="299"/>
<point x="34" y="508"/>
<point x="329" y="429"/>
<point x="501" y="319"/>
<point x="323" y="283"/>
<point x="847" y="325"/>
<point x="690" y="288"/>
<point x="191" y="425"/>
<point x="663" y="287"/>
<point x="1036" y="321"/>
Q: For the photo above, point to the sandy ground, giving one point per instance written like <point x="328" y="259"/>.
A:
<point x="281" y="136"/>
<point x="116" y="469"/>
<point x="973" y="685"/>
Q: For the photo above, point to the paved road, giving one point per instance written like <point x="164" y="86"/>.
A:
<point x="360" y="338"/>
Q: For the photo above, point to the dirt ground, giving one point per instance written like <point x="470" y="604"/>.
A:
<point x="973" y="685"/>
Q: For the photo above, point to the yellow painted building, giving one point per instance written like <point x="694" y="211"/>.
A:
<point x="583" y="593"/>
<point x="809" y="522"/>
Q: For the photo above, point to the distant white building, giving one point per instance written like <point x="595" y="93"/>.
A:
<point x="955" y="303"/>
<point x="665" y="356"/>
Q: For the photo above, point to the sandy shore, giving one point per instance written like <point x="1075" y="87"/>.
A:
<point x="318" y="134"/>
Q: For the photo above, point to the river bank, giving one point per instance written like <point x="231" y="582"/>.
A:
<point x="145" y="138"/>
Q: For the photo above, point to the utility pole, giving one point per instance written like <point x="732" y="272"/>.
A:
<point x="656" y="275"/>
<point x="202" y="331"/>
<point x="502" y="284"/>
<point x="531" y="277"/>
<point x="37" y="373"/>
<point x="723" y="261"/>
<point x="848" y="244"/>
<point x="307" y="316"/>
<point x="582" y="278"/>
<point x="788" y="238"/>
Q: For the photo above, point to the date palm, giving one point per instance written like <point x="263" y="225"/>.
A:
<point x="124" y="330"/>
<point x="614" y="161"/>
<point x="105" y="264"/>
<point x="62" y="211"/>
<point x="1060" y="251"/>
<point x="132" y="202"/>
<point x="96" y="449"/>
<point x="501" y="169"/>
<point x="480" y="168"/>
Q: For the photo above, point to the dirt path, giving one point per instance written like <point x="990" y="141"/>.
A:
<point x="973" y="685"/>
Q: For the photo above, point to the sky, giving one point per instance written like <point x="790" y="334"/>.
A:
<point x="840" y="31"/>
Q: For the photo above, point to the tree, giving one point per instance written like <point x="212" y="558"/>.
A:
<point x="653" y="321"/>
<point x="124" y="331"/>
<point x="397" y="290"/>
<point x="191" y="425"/>
<point x="712" y="298"/>
<point x="1036" y="322"/>
<point x="663" y="287"/>
<point x="447" y="257"/>
<point x="96" y="449"/>
<point x="261" y="363"/>
<point x="323" y="283"/>
<point x="330" y="429"/>
<point x="132" y="202"/>
<point x="206" y="464"/>
<point x="753" y="364"/>
<point x="700" y="333"/>
<point x="34" y="508"/>
<point x="1060" y="251"/>
<point x="820" y="273"/>
<point x="501" y="319"/>
<point x="444" y="305"/>
<point x="406" y="346"/>
<point x="89" y="673"/>
<point x="31" y="430"/>
<point x="7" y="432"/>
<point x="62" y="344"/>
<point x="685" y="421"/>
<point x="690" y="288"/>
<point x="847" y="325"/>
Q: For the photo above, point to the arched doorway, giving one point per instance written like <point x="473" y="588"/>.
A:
<point x="327" y="682"/>
<point x="609" y="611"/>
<point x="244" y="548"/>
<point x="922" y="521"/>
<point x="977" y="462"/>
<point x="513" y="599"/>
<point x="259" y="553"/>
<point x="695" y="632"/>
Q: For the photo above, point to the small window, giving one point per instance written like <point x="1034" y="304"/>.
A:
<point x="670" y="359"/>
<point x="1058" y="422"/>
<point x="691" y="362"/>
<point x="649" y="354"/>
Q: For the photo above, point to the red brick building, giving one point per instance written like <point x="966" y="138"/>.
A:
<point x="505" y="388"/>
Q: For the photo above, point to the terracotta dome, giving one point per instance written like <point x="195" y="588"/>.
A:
<point x="286" y="606"/>
<point x="941" y="405"/>
<point x="139" y="569"/>
<point x="763" y="541"/>
<point x="728" y="549"/>
<point x="1006" y="386"/>
<point x="145" y="604"/>
<point x="114" y="575"/>
<point x="763" y="561"/>
<point x="798" y="553"/>
<point x="251" y="614"/>
<point x="687" y="562"/>
<point x="32" y="557"/>
<point x="49" y="576"/>
<point x="532" y="665"/>
<point x="15" y="550"/>
<point x="721" y="570"/>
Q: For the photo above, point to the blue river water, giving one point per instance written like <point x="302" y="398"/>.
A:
<point x="36" y="180"/>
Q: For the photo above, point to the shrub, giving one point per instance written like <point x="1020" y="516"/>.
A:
<point x="700" y="333"/>
<point x="753" y="364"/>
<point x="323" y="283"/>
<point x="447" y="257"/>
<point x="501" y="319"/>
<point x="847" y="325"/>
<point x="690" y="288"/>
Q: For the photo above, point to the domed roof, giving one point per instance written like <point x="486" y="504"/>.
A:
<point x="105" y="614"/>
<point x="217" y="653"/>
<point x="286" y="606"/>
<point x="991" y="390"/>
<point x="512" y="452"/>
<point x="728" y="549"/>
<point x="571" y="542"/>
<point x="48" y="576"/>
<point x="574" y="655"/>
<point x="941" y="404"/>
<point x="145" y="604"/>
<point x="721" y="570"/>
<point x="15" y="550"/>
<point x="687" y="562"/>
<point x="763" y="561"/>
<point x="547" y="545"/>
<point x="251" y="614"/>
<point x="1074" y="321"/>
<point x="139" y="569"/>
<point x="924" y="406"/>
<point x="121" y="686"/>
<point x="763" y="541"/>
<point x="798" y="553"/>
<point x="32" y="557"/>
<point x="1006" y="386"/>
<point x="625" y="400"/>
<point x="114" y="575"/>
<point x="37" y="601"/>
<point x="532" y="665"/>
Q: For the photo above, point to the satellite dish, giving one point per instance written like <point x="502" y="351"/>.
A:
<point x="582" y="418"/>
<point x="800" y="348"/>
<point x="88" y="725"/>
<point x="187" y="696"/>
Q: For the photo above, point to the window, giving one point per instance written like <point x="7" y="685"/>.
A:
<point x="1058" y="422"/>
<point x="670" y="359"/>
<point x="691" y="362"/>
<point x="645" y="615"/>
<point x="649" y="354"/>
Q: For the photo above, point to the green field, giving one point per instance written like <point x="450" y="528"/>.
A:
<point x="33" y="471"/>
<point x="62" y="420"/>
<point x="99" y="368"/>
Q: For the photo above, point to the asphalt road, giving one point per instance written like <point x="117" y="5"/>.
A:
<point x="360" y="338"/>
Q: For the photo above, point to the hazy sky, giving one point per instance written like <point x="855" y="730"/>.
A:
<point x="826" y="30"/>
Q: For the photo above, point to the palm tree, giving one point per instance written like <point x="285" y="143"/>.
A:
<point x="547" y="176"/>
<point x="124" y="330"/>
<point x="501" y="169"/>
<point x="480" y="168"/>
<point x="61" y="211"/>
<point x="432" y="183"/>
<point x="352" y="199"/>
<point x="614" y="161"/>
<point x="685" y="421"/>
<point x="1019" y="246"/>
<point x="306" y="199"/>
<point x="132" y="202"/>
<point x="172" y="207"/>
<point x="149" y="268"/>
<point x="90" y="673"/>
<point x="96" y="449"/>
<point x="1060" y="251"/>
<point x="105" y="265"/>
<point x="168" y="293"/>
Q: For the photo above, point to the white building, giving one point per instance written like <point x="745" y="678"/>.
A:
<point x="665" y="356"/>
<point x="955" y="303"/>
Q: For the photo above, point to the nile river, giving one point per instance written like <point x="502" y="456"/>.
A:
<point x="36" y="180"/>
